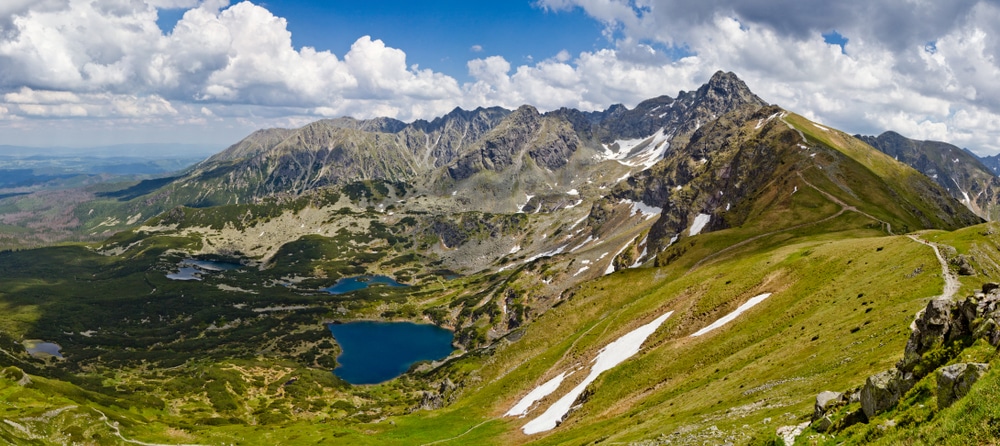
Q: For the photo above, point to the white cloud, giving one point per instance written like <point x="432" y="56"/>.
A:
<point x="927" y="70"/>
<point x="888" y="79"/>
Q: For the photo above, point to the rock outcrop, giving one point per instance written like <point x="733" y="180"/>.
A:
<point x="883" y="390"/>
<point x="954" y="381"/>
<point x="938" y="333"/>
<point x="827" y="400"/>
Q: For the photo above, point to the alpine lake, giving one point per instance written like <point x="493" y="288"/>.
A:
<point x="373" y="352"/>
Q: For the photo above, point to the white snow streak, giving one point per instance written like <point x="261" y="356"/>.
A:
<point x="729" y="317"/>
<point x="761" y="122"/>
<point x="699" y="223"/>
<point x="611" y="264"/>
<point x="643" y="208"/>
<point x="651" y="150"/>
<point x="528" y="200"/>
<point x="588" y="240"/>
<point x="522" y="407"/>
<point x="581" y="270"/>
<point x="610" y="356"/>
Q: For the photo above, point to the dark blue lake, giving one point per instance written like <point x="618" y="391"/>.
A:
<point x="348" y="284"/>
<point x="374" y="352"/>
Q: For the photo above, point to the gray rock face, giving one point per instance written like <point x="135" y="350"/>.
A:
<point x="964" y="267"/>
<point x="825" y="401"/>
<point x="930" y="329"/>
<point x="823" y="424"/>
<point x="883" y="390"/>
<point x="954" y="381"/>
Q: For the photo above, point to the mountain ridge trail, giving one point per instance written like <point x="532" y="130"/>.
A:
<point x="951" y="283"/>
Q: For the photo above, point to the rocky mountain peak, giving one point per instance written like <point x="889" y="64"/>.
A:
<point x="726" y="91"/>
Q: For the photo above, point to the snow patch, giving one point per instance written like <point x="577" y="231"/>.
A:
<point x="761" y="122"/>
<point x="699" y="223"/>
<point x="522" y="407"/>
<point x="611" y="264"/>
<point x="572" y="192"/>
<point x="581" y="270"/>
<point x="729" y="317"/>
<point x="650" y="150"/>
<point x="588" y="240"/>
<point x="551" y="253"/>
<point x="821" y="127"/>
<point x="638" y="261"/>
<point x="515" y="249"/>
<point x="639" y="207"/>
<point x="610" y="356"/>
<point x="577" y="222"/>
<point x="520" y="208"/>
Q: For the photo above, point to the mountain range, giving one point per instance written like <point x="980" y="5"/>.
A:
<point x="764" y="258"/>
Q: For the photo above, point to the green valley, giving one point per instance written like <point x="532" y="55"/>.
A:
<point x="783" y="258"/>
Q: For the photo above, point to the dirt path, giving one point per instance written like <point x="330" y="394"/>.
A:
<point x="844" y="207"/>
<point x="951" y="283"/>
<point x="114" y="427"/>
<point x="459" y="435"/>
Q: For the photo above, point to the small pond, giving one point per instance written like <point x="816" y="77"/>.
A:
<point x="373" y="352"/>
<point x="348" y="284"/>
<point x="192" y="269"/>
<point x="41" y="349"/>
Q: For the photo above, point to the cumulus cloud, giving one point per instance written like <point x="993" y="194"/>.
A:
<point x="925" y="69"/>
<point x="921" y="68"/>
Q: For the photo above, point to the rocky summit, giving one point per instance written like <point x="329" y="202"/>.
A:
<point x="705" y="268"/>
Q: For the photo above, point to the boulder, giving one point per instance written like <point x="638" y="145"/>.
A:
<point x="858" y="416"/>
<point x="965" y="268"/>
<point x="883" y="390"/>
<point x="822" y="424"/>
<point x="990" y="331"/>
<point x="929" y="329"/>
<point x="989" y="287"/>
<point x="825" y="401"/>
<point x="954" y="381"/>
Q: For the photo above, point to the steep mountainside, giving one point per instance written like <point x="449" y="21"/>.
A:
<point x="958" y="171"/>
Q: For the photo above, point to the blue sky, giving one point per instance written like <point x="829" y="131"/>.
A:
<point x="98" y="72"/>
<point x="444" y="35"/>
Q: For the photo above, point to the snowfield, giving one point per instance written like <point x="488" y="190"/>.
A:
<point x="610" y="356"/>
<point x="699" y="223"/>
<point x="729" y="317"/>
<point x="653" y="148"/>
<point x="643" y="208"/>
<point x="522" y="407"/>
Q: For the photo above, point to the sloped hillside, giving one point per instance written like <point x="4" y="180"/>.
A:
<point x="964" y="176"/>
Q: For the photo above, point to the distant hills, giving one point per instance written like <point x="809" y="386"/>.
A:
<point x="962" y="173"/>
